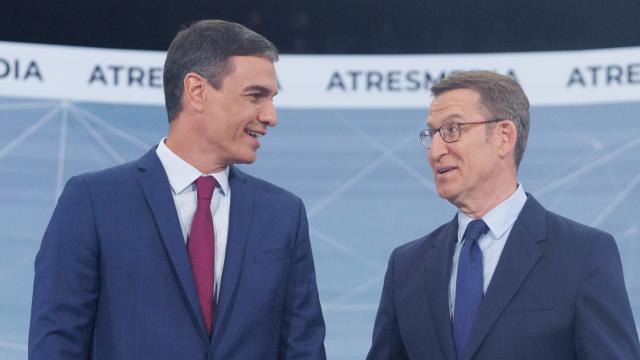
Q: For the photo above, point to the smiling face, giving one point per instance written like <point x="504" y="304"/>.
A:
<point x="466" y="172"/>
<point x="235" y="116"/>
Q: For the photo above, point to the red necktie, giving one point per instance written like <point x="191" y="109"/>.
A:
<point x="201" y="246"/>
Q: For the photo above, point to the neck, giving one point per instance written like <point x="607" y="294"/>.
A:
<point x="190" y="148"/>
<point x="490" y="197"/>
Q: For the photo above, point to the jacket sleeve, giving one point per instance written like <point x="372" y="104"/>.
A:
<point x="65" y="289"/>
<point x="303" y="324"/>
<point x="387" y="342"/>
<point x="604" y="325"/>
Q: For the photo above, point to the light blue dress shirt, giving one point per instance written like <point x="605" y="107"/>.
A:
<point x="500" y="221"/>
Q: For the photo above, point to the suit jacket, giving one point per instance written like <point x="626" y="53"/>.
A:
<point x="113" y="280"/>
<point x="557" y="293"/>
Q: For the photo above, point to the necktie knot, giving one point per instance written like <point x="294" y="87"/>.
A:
<point x="205" y="186"/>
<point x="475" y="230"/>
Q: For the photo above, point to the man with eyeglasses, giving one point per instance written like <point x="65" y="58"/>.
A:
<point x="505" y="279"/>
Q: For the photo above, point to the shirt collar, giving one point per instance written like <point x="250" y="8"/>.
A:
<point x="181" y="174"/>
<point x="500" y="218"/>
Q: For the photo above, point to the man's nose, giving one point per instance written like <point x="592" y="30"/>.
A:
<point x="438" y="147"/>
<point x="268" y="115"/>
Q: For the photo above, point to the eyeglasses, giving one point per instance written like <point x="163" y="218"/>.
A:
<point x="450" y="132"/>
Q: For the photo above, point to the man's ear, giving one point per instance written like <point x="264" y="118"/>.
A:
<point x="506" y="135"/>
<point x="194" y="94"/>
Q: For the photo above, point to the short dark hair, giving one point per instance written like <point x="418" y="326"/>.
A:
<point x="206" y="47"/>
<point x="499" y="94"/>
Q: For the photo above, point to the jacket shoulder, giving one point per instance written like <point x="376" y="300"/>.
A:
<point x="560" y="227"/>
<point x="112" y="177"/>
<point x="264" y="186"/>
<point x="419" y="246"/>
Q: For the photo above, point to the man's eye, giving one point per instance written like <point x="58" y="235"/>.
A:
<point x="451" y="128"/>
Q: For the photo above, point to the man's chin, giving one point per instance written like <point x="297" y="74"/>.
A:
<point x="446" y="194"/>
<point x="246" y="160"/>
<point x="441" y="192"/>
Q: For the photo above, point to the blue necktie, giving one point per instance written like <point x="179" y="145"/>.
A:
<point x="469" y="289"/>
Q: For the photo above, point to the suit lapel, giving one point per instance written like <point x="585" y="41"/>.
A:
<point x="239" y="224"/>
<point x="157" y="191"/>
<point x="438" y="273"/>
<point x="520" y="254"/>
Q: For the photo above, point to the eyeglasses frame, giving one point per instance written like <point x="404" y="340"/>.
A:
<point x="428" y="133"/>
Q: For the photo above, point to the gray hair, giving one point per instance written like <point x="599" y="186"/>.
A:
<point x="205" y="48"/>
<point x="499" y="94"/>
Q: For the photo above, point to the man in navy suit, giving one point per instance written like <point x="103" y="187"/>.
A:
<point x="505" y="279"/>
<point x="180" y="255"/>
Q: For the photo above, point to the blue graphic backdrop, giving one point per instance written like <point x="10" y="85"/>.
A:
<point x="362" y="174"/>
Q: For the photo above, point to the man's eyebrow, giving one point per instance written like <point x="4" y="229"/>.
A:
<point x="263" y="90"/>
<point x="448" y="119"/>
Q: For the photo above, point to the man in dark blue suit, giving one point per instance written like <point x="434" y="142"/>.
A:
<point x="180" y="255"/>
<point x="505" y="279"/>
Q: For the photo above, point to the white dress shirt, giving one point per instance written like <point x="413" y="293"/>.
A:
<point x="182" y="177"/>
<point x="500" y="221"/>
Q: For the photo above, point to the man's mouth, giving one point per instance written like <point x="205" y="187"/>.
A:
<point x="254" y="134"/>
<point x="444" y="170"/>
